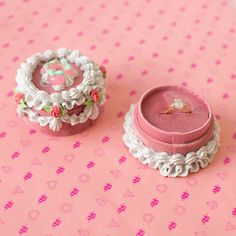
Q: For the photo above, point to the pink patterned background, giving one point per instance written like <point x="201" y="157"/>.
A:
<point x="88" y="184"/>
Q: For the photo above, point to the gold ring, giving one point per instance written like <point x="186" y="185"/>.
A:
<point x="178" y="105"/>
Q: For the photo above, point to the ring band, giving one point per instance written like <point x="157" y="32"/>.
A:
<point x="177" y="105"/>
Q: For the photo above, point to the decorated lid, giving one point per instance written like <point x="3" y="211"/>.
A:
<point x="59" y="87"/>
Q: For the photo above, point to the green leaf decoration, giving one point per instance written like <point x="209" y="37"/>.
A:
<point x="67" y="67"/>
<point x="23" y="104"/>
<point x="51" y="72"/>
<point x="101" y="97"/>
<point x="63" y="111"/>
<point x="47" y="109"/>
<point x="89" y="102"/>
<point x="59" y="72"/>
<point x="64" y="61"/>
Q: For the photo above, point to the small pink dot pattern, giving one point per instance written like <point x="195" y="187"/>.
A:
<point x="88" y="184"/>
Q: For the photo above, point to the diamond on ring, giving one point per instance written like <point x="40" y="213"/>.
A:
<point x="177" y="105"/>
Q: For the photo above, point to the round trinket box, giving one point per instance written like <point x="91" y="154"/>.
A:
<point x="172" y="128"/>
<point x="60" y="93"/>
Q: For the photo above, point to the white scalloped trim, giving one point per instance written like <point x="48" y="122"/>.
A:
<point x="92" y="80"/>
<point x="55" y="124"/>
<point x="170" y="165"/>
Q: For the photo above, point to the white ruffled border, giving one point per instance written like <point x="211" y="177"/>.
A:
<point x="55" y="124"/>
<point x="170" y="165"/>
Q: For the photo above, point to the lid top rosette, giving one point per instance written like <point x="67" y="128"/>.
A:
<point x="59" y="73"/>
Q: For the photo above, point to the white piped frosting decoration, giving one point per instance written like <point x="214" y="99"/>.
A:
<point x="170" y="165"/>
<point x="90" y="93"/>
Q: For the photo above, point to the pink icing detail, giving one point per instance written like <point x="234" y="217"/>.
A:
<point x="55" y="111"/>
<point x="95" y="95"/>
<point x="43" y="70"/>
<point x="19" y="97"/>
<point x="52" y="66"/>
<point x="57" y="80"/>
<point x="55" y="65"/>
<point x="70" y="72"/>
<point x="37" y="76"/>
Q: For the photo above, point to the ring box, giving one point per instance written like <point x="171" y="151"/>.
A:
<point x="176" y="142"/>
<point x="60" y="93"/>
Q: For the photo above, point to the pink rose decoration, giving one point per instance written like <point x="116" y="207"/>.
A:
<point x="19" y="97"/>
<point x="95" y="95"/>
<point x="55" y="111"/>
<point x="103" y="69"/>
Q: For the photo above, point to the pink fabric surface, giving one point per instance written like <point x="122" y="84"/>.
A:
<point x="88" y="184"/>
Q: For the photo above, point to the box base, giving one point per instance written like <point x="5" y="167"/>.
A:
<point x="170" y="165"/>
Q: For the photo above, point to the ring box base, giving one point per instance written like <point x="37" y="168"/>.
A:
<point x="168" y="164"/>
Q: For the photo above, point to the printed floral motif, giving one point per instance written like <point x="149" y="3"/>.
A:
<point x="58" y="73"/>
<point x="103" y="69"/>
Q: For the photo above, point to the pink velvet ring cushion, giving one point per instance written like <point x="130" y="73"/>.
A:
<point x="60" y="93"/>
<point x="174" y="132"/>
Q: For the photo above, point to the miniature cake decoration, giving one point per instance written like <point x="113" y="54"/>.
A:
<point x="58" y="73"/>
<point x="69" y="101"/>
<point x="172" y="128"/>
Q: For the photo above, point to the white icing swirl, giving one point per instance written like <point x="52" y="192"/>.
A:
<point x="55" y="124"/>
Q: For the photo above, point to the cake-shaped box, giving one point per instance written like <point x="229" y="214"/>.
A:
<point x="172" y="128"/>
<point x="60" y="93"/>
